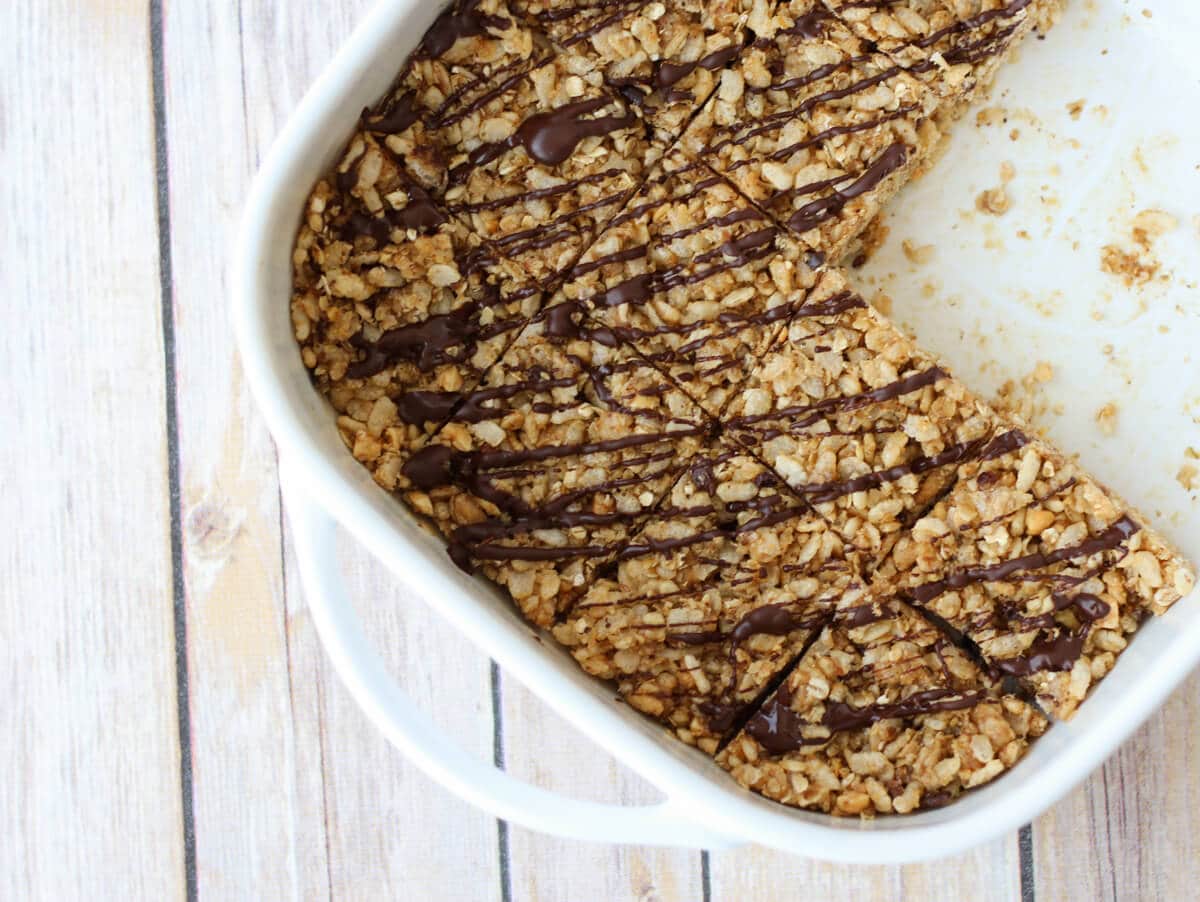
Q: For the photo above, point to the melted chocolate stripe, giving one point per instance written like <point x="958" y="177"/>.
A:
<point x="1108" y="540"/>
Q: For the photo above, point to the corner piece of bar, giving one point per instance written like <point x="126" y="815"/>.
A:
<point x="718" y="592"/>
<point x="882" y="715"/>
<point x="815" y="127"/>
<point x="546" y="471"/>
<point x="1046" y="572"/>
<point x="695" y="277"/>
<point x="954" y="46"/>
<point x="474" y="54"/>
<point x="665" y="57"/>
<point x="857" y="420"/>
<point x="396" y="306"/>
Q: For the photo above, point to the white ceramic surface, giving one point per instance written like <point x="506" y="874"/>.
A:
<point x="988" y="295"/>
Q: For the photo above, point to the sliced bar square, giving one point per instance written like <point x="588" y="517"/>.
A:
<point x="665" y="57"/>
<point x="539" y="172"/>
<point x="719" y="591"/>
<point x="859" y="421"/>
<point x="954" y="46"/>
<point x="882" y="715"/>
<point x="547" y="469"/>
<point x="1045" y="571"/>
<point x="815" y="127"/>
<point x="473" y="55"/>
<point x="695" y="277"/>
<point x="397" y="307"/>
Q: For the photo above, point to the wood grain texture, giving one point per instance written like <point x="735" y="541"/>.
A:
<point x="753" y="874"/>
<point x="294" y="794"/>
<point x="90" y="800"/>
<point x="542" y="748"/>
<point x="1129" y="831"/>
<point x="294" y="790"/>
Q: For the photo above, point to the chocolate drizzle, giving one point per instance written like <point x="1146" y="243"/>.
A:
<point x="1111" y="538"/>
<point x="781" y="730"/>
<point x="550" y="137"/>
<point x="816" y="212"/>
<point x="461" y="20"/>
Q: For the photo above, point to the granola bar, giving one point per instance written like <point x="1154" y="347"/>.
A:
<point x="882" y="715"/>
<point x="718" y="592"/>
<point x="815" y="127"/>
<point x="694" y="277"/>
<point x="473" y="55"/>
<point x="859" y="421"/>
<point x="397" y="307"/>
<point x="664" y="56"/>
<point x="954" y="46"/>
<point x="539" y="171"/>
<point x="1043" y="570"/>
<point x="544" y="472"/>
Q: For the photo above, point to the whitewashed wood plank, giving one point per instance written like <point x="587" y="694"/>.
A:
<point x="991" y="872"/>
<point x="309" y="800"/>
<point x="244" y="790"/>
<point x="542" y="748"/>
<point x="391" y="832"/>
<point x="90" y="803"/>
<point x="1130" y="831"/>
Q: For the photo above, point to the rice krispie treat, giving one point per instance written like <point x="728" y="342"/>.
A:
<point x="814" y="126"/>
<point x="695" y="277"/>
<point x="539" y="171"/>
<point x="954" y="46"/>
<point x="545" y="472"/>
<point x="719" y="591"/>
<point x="882" y="715"/>
<point x="472" y="56"/>
<point x="396" y="306"/>
<point x="664" y="56"/>
<point x="1045" y="572"/>
<point x="859" y="421"/>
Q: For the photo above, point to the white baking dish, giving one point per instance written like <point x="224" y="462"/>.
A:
<point x="324" y="486"/>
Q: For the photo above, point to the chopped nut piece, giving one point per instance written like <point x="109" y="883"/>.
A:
<point x="397" y="307"/>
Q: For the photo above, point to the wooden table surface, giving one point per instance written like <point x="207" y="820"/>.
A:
<point x="171" y="725"/>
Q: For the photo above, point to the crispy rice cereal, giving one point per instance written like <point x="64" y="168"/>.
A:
<point x="882" y="715"/>
<point x="718" y="592"/>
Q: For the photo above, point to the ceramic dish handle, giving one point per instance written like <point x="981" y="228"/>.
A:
<point x="422" y="742"/>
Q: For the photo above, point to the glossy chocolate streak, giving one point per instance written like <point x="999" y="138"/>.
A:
<point x="462" y="20"/>
<point x="813" y="214"/>
<point x="721" y="716"/>
<point x="550" y="137"/>
<point x="892" y="390"/>
<point x="970" y="24"/>
<point x="771" y="620"/>
<point x="1054" y="654"/>
<point x="738" y="252"/>
<point x="829" y="491"/>
<point x="667" y="74"/>
<point x="399" y="118"/>
<point x="780" y="730"/>
<point x="1109" y="540"/>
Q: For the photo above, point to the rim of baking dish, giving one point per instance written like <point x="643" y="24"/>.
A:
<point x="301" y="424"/>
